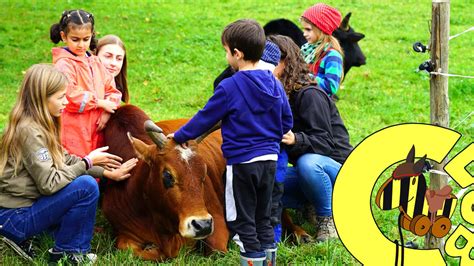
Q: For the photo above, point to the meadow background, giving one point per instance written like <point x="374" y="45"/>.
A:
<point x="174" y="54"/>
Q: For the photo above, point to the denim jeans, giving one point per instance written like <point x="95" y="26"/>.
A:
<point x="70" y="213"/>
<point x="311" y="179"/>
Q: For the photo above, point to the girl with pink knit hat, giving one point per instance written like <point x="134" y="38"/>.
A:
<point x="323" y="52"/>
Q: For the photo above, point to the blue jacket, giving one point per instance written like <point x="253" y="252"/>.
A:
<point x="255" y="114"/>
<point x="329" y="73"/>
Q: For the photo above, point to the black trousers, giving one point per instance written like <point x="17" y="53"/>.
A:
<point x="248" y="197"/>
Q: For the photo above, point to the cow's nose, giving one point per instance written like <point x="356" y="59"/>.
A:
<point x="202" y="227"/>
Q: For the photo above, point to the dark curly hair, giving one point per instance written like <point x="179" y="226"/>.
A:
<point x="296" y="72"/>
<point x="73" y="18"/>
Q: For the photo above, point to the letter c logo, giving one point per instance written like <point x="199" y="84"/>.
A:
<point x="352" y="197"/>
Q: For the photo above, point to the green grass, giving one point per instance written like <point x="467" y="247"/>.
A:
<point x="174" y="54"/>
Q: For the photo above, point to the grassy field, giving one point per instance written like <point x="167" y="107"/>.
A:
<point x="174" y="54"/>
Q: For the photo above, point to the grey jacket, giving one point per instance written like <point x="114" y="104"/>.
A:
<point x="36" y="175"/>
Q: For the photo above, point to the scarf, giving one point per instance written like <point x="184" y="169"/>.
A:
<point x="308" y="51"/>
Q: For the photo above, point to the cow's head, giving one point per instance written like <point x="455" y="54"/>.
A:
<point x="348" y="39"/>
<point x="174" y="186"/>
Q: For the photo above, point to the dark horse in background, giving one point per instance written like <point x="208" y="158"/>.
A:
<point x="345" y="34"/>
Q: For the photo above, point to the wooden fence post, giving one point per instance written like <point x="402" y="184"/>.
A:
<point x="439" y="100"/>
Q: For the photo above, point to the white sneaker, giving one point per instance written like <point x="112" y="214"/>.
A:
<point x="72" y="258"/>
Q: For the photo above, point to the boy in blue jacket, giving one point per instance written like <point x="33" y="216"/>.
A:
<point x="255" y="114"/>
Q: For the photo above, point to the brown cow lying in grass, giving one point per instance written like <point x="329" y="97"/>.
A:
<point x="174" y="196"/>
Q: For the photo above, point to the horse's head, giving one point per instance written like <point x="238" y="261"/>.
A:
<point x="407" y="180"/>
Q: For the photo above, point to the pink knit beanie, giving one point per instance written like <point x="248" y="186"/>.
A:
<point x="326" y="18"/>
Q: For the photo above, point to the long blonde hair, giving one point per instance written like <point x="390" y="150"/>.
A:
<point x="40" y="82"/>
<point x="333" y="43"/>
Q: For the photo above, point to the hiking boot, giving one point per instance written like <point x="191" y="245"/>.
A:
<point x="23" y="249"/>
<point x="325" y="228"/>
<point x="72" y="258"/>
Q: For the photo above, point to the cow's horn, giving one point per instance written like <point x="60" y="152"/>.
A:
<point x="155" y="133"/>
<point x="205" y="134"/>
<point x="345" y="22"/>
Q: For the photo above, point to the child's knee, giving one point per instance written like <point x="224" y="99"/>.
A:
<point x="308" y="168"/>
<point x="88" y="184"/>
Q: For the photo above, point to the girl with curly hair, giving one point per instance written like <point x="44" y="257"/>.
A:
<point x="317" y="145"/>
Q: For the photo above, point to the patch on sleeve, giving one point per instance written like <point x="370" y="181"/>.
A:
<point x="43" y="155"/>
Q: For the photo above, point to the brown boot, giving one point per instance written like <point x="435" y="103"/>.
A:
<point x="325" y="228"/>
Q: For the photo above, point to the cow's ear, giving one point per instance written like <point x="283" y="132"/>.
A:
<point x="345" y="22"/>
<point x="142" y="150"/>
<point x="355" y="36"/>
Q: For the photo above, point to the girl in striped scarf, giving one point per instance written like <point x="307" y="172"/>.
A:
<point x="322" y="52"/>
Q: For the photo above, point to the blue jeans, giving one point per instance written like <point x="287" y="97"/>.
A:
<point x="312" y="179"/>
<point x="70" y="212"/>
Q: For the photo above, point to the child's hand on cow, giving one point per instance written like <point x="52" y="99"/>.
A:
<point x="184" y="144"/>
<point x="107" y="105"/>
<point x="123" y="172"/>
<point x="289" y="138"/>
<point x="104" y="159"/>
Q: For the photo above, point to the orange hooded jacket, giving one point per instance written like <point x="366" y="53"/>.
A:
<point x="89" y="82"/>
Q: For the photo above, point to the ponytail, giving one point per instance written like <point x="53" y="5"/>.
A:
<point x="93" y="44"/>
<point x="55" y="33"/>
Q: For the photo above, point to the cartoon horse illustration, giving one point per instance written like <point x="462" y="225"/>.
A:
<point x="422" y="210"/>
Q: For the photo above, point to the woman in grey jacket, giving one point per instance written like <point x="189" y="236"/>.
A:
<point x="42" y="186"/>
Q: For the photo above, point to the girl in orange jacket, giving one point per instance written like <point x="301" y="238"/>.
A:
<point x="91" y="91"/>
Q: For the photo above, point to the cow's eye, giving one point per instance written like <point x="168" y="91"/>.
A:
<point x="168" y="179"/>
